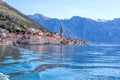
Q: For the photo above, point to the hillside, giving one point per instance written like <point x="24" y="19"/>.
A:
<point x="101" y="31"/>
<point x="17" y="28"/>
<point x="14" y="21"/>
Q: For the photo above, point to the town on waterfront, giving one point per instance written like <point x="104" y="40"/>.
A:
<point x="36" y="37"/>
<point x="59" y="40"/>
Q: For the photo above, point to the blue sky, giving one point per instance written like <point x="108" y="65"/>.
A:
<point x="95" y="9"/>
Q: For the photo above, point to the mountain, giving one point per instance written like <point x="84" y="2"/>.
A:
<point x="14" y="21"/>
<point x="99" y="31"/>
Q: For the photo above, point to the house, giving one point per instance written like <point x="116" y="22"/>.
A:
<point x="3" y="35"/>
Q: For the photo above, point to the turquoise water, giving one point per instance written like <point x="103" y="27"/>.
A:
<point x="52" y="62"/>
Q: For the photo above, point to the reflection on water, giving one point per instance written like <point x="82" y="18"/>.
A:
<point x="53" y="62"/>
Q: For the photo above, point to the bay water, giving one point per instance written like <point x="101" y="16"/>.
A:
<point x="55" y="62"/>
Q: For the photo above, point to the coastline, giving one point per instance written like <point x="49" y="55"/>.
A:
<point x="36" y="37"/>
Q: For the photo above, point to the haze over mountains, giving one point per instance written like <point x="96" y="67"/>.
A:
<point x="101" y="31"/>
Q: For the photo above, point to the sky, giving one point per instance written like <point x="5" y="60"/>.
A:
<point x="65" y="9"/>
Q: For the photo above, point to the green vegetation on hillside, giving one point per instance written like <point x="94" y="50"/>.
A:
<point x="15" y="21"/>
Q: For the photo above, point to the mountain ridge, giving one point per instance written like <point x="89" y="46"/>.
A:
<point x="13" y="20"/>
<point x="103" y="31"/>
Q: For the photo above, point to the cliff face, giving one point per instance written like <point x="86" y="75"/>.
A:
<point x="14" y="21"/>
<point x="101" y="31"/>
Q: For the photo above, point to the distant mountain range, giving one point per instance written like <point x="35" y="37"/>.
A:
<point x="101" y="31"/>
